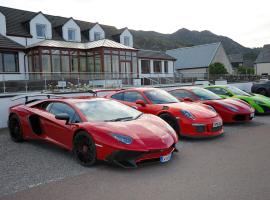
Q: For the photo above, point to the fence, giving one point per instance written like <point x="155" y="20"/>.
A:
<point x="59" y="81"/>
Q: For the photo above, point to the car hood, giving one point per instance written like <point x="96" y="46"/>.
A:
<point x="148" y="131"/>
<point x="258" y="97"/>
<point x="234" y="103"/>
<point x="197" y="109"/>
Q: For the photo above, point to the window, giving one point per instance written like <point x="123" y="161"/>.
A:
<point x="158" y="96"/>
<point x="107" y="63"/>
<point x="157" y="66"/>
<point x="219" y="91"/>
<point x="181" y="94"/>
<point x="145" y="65"/>
<point x="97" y="36"/>
<point x="166" y="69"/>
<point x="41" y="30"/>
<point x="9" y="62"/>
<point x="133" y="96"/>
<point x="126" y="41"/>
<point x="46" y="63"/>
<point x="71" y="34"/>
<point x="56" y="63"/>
<point x="118" y="96"/>
<point x="60" y="108"/>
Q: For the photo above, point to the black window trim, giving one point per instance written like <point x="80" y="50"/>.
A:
<point x="16" y="55"/>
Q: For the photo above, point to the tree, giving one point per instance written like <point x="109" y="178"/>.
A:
<point x="245" y="70"/>
<point x="217" y="68"/>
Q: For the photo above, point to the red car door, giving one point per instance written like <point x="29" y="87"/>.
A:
<point x="58" y="131"/>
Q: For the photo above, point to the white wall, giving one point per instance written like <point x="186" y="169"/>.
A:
<point x="126" y="33"/>
<point x="40" y="19"/>
<point x="71" y="24"/>
<point x="3" y="29"/>
<point x="222" y="57"/>
<point x="96" y="28"/>
<point x="261" y="68"/>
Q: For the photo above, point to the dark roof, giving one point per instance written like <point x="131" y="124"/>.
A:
<point x="236" y="58"/>
<point x="154" y="55"/>
<point x="264" y="55"/>
<point x="18" y="24"/>
<point x="7" y="43"/>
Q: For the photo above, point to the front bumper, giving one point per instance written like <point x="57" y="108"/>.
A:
<point x="201" y="128"/>
<point x="131" y="159"/>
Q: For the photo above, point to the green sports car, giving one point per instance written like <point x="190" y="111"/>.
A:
<point x="260" y="103"/>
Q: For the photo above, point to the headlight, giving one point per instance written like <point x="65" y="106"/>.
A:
<point x="123" y="138"/>
<point x="188" y="114"/>
<point x="212" y="109"/>
<point x="231" y="108"/>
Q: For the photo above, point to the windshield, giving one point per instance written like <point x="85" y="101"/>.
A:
<point x="204" y="94"/>
<point x="160" y="96"/>
<point x="107" y="110"/>
<point x="237" y="91"/>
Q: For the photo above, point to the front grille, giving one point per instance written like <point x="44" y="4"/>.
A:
<point x="214" y="129"/>
<point x="200" y="128"/>
<point x="239" y="118"/>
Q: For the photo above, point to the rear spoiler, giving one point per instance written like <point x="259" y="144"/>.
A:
<point x="95" y="92"/>
<point x="26" y="96"/>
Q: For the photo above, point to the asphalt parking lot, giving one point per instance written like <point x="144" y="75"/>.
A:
<point x="235" y="166"/>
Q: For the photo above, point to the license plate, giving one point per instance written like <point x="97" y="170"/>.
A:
<point x="166" y="158"/>
<point x="252" y="115"/>
<point x="217" y="124"/>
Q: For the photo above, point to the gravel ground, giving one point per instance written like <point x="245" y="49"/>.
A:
<point x="235" y="166"/>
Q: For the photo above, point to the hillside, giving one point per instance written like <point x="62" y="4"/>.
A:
<point x="184" y="37"/>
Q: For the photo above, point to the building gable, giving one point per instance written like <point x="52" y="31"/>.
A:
<point x="96" y="30"/>
<point x="71" y="25"/>
<point x="40" y="19"/>
<point x="126" y="38"/>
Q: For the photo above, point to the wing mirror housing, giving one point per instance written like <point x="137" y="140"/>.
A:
<point x="63" y="116"/>
<point x="140" y="102"/>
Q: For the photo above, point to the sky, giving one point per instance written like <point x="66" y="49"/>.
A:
<point x="245" y="21"/>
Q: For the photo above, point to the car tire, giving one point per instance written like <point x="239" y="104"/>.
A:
<point x="262" y="91"/>
<point x="84" y="149"/>
<point x="172" y="121"/>
<point x="15" y="128"/>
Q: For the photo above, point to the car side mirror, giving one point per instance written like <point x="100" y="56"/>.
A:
<point x="63" y="116"/>
<point x="187" y="99"/>
<point x="140" y="102"/>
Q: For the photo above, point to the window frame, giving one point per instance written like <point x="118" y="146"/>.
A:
<point x="45" y="30"/>
<point x="160" y="67"/>
<point x="126" y="40"/>
<point x="16" y="59"/>
<point x="95" y="34"/>
<point x="74" y="31"/>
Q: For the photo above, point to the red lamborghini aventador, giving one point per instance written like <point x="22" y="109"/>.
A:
<point x="94" y="129"/>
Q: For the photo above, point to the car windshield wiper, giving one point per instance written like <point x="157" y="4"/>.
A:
<point x="138" y="116"/>
<point x="119" y="119"/>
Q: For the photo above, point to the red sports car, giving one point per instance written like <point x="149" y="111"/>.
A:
<point x="94" y="129"/>
<point x="231" y="110"/>
<point x="187" y="118"/>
